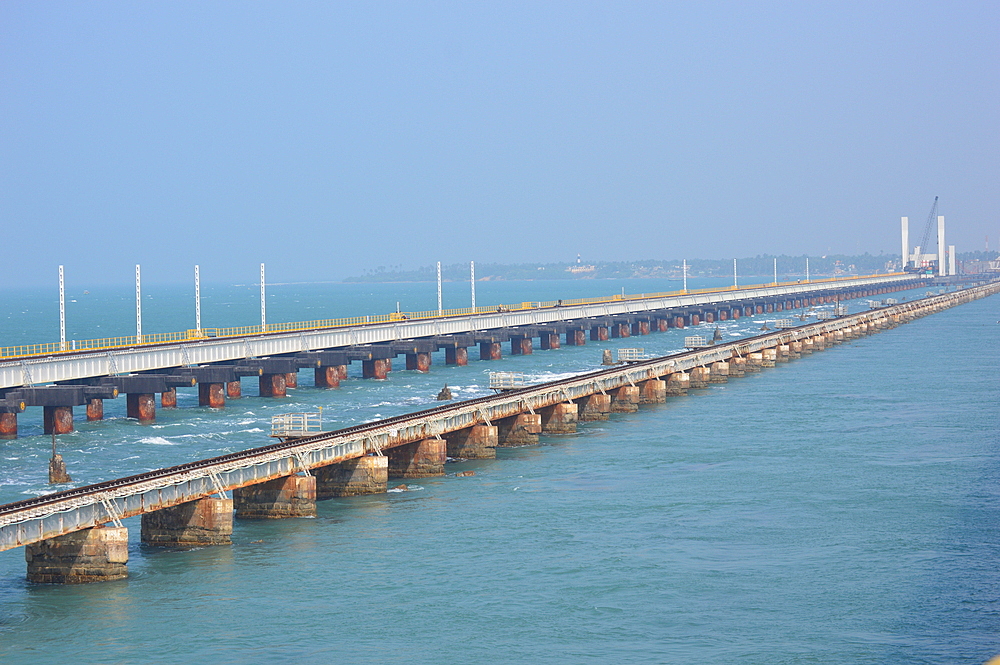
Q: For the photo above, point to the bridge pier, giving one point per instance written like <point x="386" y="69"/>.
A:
<point x="420" y="459"/>
<point x="699" y="377"/>
<point x="594" y="407"/>
<point x="419" y="361"/>
<point x="678" y="383"/>
<point x="281" y="498"/>
<point x="456" y="355"/>
<point x="273" y="385"/>
<point x="620" y="330"/>
<point x="234" y="389"/>
<point x="625" y="400"/>
<point x="375" y="369"/>
<point x="57" y="419"/>
<point x="709" y="316"/>
<point x="679" y="321"/>
<point x="364" y="475"/>
<point x="559" y="418"/>
<point x="168" y="398"/>
<point x="98" y="554"/>
<point x="599" y="334"/>
<point x="576" y="338"/>
<point x="550" y="341"/>
<point x="719" y="372"/>
<point x="490" y="351"/>
<point x="662" y="325"/>
<point x="653" y="391"/>
<point x="207" y="521"/>
<point x="212" y="395"/>
<point x="327" y="377"/>
<point x="292" y="380"/>
<point x="95" y="409"/>
<point x="737" y="366"/>
<point x="520" y="345"/>
<point x="8" y="426"/>
<point x="695" y="319"/>
<point x="141" y="406"/>
<point x="519" y="430"/>
<point x="476" y="442"/>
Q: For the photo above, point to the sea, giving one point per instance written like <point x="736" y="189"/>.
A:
<point x="840" y="508"/>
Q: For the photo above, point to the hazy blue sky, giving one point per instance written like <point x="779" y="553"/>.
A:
<point x="325" y="138"/>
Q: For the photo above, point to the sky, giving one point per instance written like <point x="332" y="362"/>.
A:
<point x="324" y="139"/>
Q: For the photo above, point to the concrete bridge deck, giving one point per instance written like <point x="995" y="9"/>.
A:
<point x="50" y="517"/>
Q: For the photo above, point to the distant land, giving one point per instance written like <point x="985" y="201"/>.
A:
<point x="759" y="266"/>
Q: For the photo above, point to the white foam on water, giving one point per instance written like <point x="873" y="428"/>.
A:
<point x="156" y="441"/>
<point x="409" y="488"/>
<point x="252" y="430"/>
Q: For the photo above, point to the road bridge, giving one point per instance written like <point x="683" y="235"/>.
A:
<point x="216" y="359"/>
<point x="68" y="541"/>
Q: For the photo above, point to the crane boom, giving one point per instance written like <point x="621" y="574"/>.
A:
<point x="928" y="230"/>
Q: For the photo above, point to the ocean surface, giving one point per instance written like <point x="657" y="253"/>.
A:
<point x="840" y="508"/>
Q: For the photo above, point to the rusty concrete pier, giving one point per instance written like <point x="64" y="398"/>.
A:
<point x="67" y="534"/>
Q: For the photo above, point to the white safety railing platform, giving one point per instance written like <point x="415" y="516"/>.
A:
<point x="506" y="380"/>
<point x="784" y="324"/>
<point x="291" y="425"/>
<point x="695" y="342"/>
<point x="632" y="355"/>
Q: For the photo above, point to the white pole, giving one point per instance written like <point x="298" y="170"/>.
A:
<point x="440" y="309"/>
<point x="775" y="272"/>
<point x="138" y="305"/>
<point x="807" y="268"/>
<point x="685" y="275"/>
<point x="952" y="266"/>
<point x="62" y="312"/>
<point x="736" y="284"/>
<point x="941" y="248"/>
<point x="197" y="300"/>
<point x="472" y="279"/>
<point x="263" y="307"/>
<point x="904" y="224"/>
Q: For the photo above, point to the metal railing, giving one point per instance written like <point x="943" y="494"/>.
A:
<point x="107" y="343"/>
<point x="288" y="425"/>
<point x="632" y="355"/>
<point x="695" y="342"/>
<point x="782" y="324"/>
<point x="506" y="380"/>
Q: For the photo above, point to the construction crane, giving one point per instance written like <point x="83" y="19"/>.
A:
<point x="925" y="242"/>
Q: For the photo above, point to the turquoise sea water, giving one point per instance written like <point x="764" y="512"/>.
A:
<point x="841" y="508"/>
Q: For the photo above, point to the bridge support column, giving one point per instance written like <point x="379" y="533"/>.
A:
<point x="490" y="351"/>
<point x="679" y="321"/>
<point x="234" y="389"/>
<point x="212" y="395"/>
<point x="419" y="361"/>
<point x="620" y="330"/>
<point x="783" y="353"/>
<point x="95" y="409"/>
<point x="695" y="319"/>
<point x="292" y="380"/>
<point x="207" y="521"/>
<point x="291" y="496"/>
<point x="520" y="346"/>
<point x="559" y="418"/>
<point x="327" y="377"/>
<point x="709" y="316"/>
<point x="476" y="442"/>
<point x="769" y="307"/>
<point x="719" y="372"/>
<point x="653" y="391"/>
<point x="737" y="366"/>
<point x="168" y="398"/>
<point x="593" y="407"/>
<point x="550" y="341"/>
<point x="8" y="426"/>
<point x="576" y="338"/>
<point x="99" y="554"/>
<point x="699" y="377"/>
<point x="807" y="345"/>
<point x="420" y="459"/>
<point x="769" y="356"/>
<point x="678" y="383"/>
<point x="363" y="475"/>
<point x="375" y="369"/>
<point x="457" y="355"/>
<point x="795" y="350"/>
<point x="57" y="419"/>
<point x="754" y="362"/>
<point x="625" y="400"/>
<point x="519" y="430"/>
<point x="737" y="312"/>
<point x="663" y="325"/>
<point x="599" y="334"/>
<point x="272" y="385"/>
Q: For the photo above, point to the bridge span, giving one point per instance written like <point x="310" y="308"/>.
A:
<point x="58" y="378"/>
<point x="68" y="541"/>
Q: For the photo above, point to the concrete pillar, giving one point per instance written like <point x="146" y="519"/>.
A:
<point x="168" y="398"/>
<point x="769" y="356"/>
<point x="699" y="377"/>
<point x="476" y="442"/>
<point x="723" y="314"/>
<point x="769" y="307"/>
<point x="559" y="418"/>
<point x="807" y="345"/>
<point x="363" y="475"/>
<point x="292" y="380"/>
<point x="375" y="369"/>
<point x="95" y="409"/>
<point x="625" y="399"/>
<point x="212" y="395"/>
<point x="795" y="350"/>
<point x="141" y="406"/>
<point x="420" y="459"/>
<point x="550" y="341"/>
<point x="593" y="407"/>
<point x="662" y="325"/>
<point x="679" y="321"/>
<point x="754" y="362"/>
<point x="57" y="419"/>
<point x="695" y="319"/>
<point x="819" y="343"/>
<point x="207" y="521"/>
<point x="737" y="366"/>
<point x="653" y="391"/>
<point x="458" y="355"/>
<point x="234" y="389"/>
<point x="327" y="377"/>
<point x="519" y="430"/>
<point x="576" y="338"/>
<point x="737" y="313"/>
<point x="749" y="310"/>
<point x="719" y="372"/>
<point x="709" y="316"/>
<point x="419" y="361"/>
<point x="599" y="334"/>
<point x="99" y="554"/>
<point x="291" y="496"/>
<point x="520" y="346"/>
<point x="640" y="328"/>
<point x="272" y="385"/>
<point x="343" y="371"/>
<point x="783" y="351"/>
<point x="8" y="426"/>
<point x="620" y="330"/>
<point x="490" y="351"/>
<point x="678" y="383"/>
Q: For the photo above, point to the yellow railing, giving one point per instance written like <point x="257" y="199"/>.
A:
<point x="107" y="343"/>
